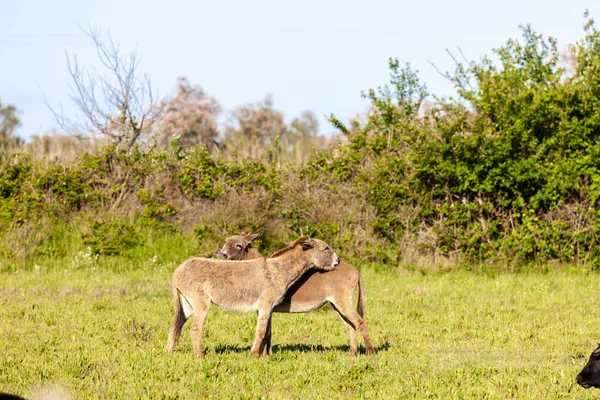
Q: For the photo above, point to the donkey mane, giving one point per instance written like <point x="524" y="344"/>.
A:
<point x="281" y="252"/>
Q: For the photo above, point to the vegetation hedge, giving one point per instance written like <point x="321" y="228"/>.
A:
<point x="507" y="173"/>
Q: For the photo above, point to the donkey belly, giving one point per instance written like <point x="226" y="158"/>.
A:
<point x="239" y="307"/>
<point x="236" y="301"/>
<point x="307" y="294"/>
<point x="306" y="305"/>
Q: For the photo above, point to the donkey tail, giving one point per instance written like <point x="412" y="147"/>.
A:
<point x="179" y="319"/>
<point x="360" y="307"/>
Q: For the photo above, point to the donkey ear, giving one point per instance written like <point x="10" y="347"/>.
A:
<point x="252" y="238"/>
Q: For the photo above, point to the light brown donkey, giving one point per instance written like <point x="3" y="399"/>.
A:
<point x="257" y="284"/>
<point x="312" y="291"/>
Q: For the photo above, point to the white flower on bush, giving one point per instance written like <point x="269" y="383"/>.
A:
<point x="86" y="259"/>
<point x="152" y="262"/>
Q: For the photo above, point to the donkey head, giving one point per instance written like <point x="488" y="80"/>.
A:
<point x="236" y="247"/>
<point x="590" y="374"/>
<point x="321" y="255"/>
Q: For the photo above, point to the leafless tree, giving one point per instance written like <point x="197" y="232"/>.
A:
<point x="117" y="102"/>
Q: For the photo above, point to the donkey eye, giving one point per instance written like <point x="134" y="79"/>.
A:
<point x="239" y="246"/>
<point x="326" y="248"/>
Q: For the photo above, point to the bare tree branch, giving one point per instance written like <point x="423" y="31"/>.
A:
<point x="445" y="75"/>
<point x="115" y="102"/>
<point x="463" y="55"/>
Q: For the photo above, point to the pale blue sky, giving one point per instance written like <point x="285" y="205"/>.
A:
<point x="316" y="55"/>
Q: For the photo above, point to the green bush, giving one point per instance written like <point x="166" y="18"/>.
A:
<point x="491" y="174"/>
<point x="112" y="238"/>
<point x="507" y="172"/>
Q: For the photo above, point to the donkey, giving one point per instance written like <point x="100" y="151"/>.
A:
<point x="257" y="284"/>
<point x="312" y="291"/>
<point x="590" y="374"/>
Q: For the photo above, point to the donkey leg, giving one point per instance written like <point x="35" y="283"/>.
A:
<point x="264" y="346"/>
<point x="267" y="350"/>
<point x="350" y="315"/>
<point x="200" y="312"/>
<point x="174" y="333"/>
<point x="175" y="329"/>
<point x="350" y="329"/>
<point x="264" y="315"/>
<point x="352" y="335"/>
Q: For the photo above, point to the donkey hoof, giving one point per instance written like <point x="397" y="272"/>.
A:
<point x="370" y="351"/>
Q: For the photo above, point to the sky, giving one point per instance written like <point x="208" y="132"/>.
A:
<point x="309" y="55"/>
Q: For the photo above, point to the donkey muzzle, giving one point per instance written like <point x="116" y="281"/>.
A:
<point x="335" y="263"/>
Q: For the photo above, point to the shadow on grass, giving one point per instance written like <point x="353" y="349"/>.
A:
<point x="231" y="348"/>
<point x="302" y="348"/>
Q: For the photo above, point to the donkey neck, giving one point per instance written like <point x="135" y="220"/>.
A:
<point x="285" y="271"/>
<point x="252" y="254"/>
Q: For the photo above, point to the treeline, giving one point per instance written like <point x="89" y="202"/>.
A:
<point x="504" y="175"/>
<point x="190" y="114"/>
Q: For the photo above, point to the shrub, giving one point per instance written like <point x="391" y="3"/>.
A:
<point x="112" y="238"/>
<point x="488" y="173"/>
<point x="507" y="172"/>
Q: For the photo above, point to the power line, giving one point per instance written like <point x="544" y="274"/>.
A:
<point x="207" y="35"/>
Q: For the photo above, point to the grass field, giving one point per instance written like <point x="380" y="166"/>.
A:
<point x="100" y="334"/>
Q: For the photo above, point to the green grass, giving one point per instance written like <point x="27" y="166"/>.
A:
<point x="100" y="334"/>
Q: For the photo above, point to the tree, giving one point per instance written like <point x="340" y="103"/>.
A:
<point x="306" y="125"/>
<point x="117" y="103"/>
<point x="302" y="137"/>
<point x="190" y="114"/>
<point x="255" y="125"/>
<point x="9" y="122"/>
